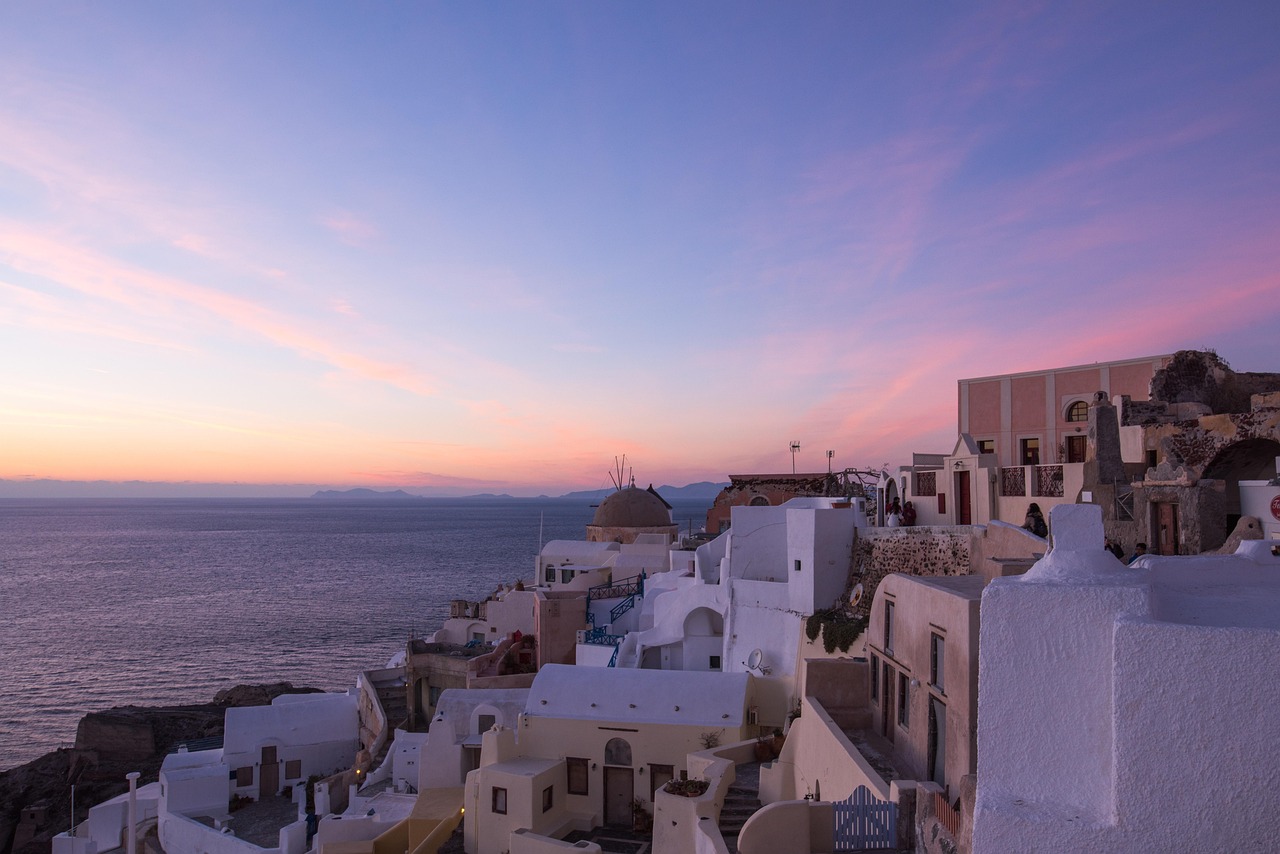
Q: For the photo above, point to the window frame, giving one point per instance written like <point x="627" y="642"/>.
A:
<point x="498" y="800"/>
<point x="937" y="661"/>
<point x="584" y="764"/>
<point x="904" y="695"/>
<point x="1077" y="412"/>
<point x="548" y="798"/>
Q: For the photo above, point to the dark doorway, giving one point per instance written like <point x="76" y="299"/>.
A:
<point x="1165" y="523"/>
<point x="269" y="772"/>
<point x="964" y="512"/>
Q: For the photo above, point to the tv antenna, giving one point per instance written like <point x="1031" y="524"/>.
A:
<point x="620" y="467"/>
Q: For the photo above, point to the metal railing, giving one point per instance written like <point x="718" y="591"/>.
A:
<point x="1048" y="481"/>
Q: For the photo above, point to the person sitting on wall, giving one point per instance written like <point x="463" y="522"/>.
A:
<point x="908" y="514"/>
<point x="1035" y="521"/>
<point x="1138" y="551"/>
<point x="1114" y="547"/>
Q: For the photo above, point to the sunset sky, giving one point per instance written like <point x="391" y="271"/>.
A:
<point x="486" y="247"/>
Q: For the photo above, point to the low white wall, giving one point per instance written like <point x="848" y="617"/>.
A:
<point x="527" y="842"/>
<point x="800" y="826"/>
<point x="818" y="753"/>
<point x="179" y="833"/>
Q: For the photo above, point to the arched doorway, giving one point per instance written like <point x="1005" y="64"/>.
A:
<point x="619" y="783"/>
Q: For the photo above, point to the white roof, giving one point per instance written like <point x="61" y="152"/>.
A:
<point x="684" y="697"/>
<point x="322" y="718"/>
<point x="577" y="548"/>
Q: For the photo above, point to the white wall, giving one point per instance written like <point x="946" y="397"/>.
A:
<point x="1129" y="709"/>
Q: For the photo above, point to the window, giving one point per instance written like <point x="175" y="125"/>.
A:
<point x="937" y="660"/>
<point x="551" y="574"/>
<point x="499" y="801"/>
<point x="986" y="446"/>
<point x="617" y="751"/>
<point x="1076" y="446"/>
<point x="942" y="502"/>
<point x="875" y="678"/>
<point x="713" y="663"/>
<point x="548" y="798"/>
<point x="578" y="777"/>
<point x="1030" y="452"/>
<point x="433" y="695"/>
<point x="888" y="627"/>
<point x="797" y="566"/>
<point x="244" y="776"/>
<point x="1078" y="411"/>
<point x="293" y="769"/>
<point x="902" y="701"/>
<point x="484" y="723"/>
<point x="926" y="483"/>
<point x="566" y="575"/>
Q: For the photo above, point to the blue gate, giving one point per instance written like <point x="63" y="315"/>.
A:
<point x="865" y="821"/>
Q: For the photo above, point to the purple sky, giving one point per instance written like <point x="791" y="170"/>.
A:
<point x="488" y="247"/>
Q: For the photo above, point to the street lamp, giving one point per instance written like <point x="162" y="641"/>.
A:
<point x="795" y="446"/>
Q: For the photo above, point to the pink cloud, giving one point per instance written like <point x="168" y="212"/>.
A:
<point x="156" y="296"/>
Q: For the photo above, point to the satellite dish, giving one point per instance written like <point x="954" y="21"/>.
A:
<point x="856" y="596"/>
<point x="753" y="660"/>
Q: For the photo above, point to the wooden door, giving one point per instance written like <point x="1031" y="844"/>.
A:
<point x="1166" y="524"/>
<point x="269" y="772"/>
<point x="964" y="512"/>
<point x="619" y="792"/>
<point x="658" y="777"/>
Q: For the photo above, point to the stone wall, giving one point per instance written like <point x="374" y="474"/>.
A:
<point x="926" y="550"/>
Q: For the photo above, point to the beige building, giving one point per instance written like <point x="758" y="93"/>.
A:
<point x="591" y="743"/>
<point x="922" y="653"/>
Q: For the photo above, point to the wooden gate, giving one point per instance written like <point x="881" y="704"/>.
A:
<point x="865" y="821"/>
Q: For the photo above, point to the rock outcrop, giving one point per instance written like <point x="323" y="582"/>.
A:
<point x="35" y="798"/>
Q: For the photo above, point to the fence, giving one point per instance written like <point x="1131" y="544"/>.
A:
<point x="947" y="816"/>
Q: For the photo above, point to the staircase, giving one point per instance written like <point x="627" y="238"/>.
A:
<point x="739" y="804"/>
<point x="395" y="705"/>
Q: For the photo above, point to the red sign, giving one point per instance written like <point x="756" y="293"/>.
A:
<point x="1275" y="507"/>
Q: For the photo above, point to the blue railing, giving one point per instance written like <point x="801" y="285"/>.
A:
<point x="621" y="608"/>
<point x="600" y="637"/>
<point x="633" y="586"/>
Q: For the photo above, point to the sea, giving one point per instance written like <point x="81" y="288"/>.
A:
<point x="114" y="602"/>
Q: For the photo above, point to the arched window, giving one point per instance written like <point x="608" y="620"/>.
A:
<point x="759" y="501"/>
<point x="617" y="752"/>
<point x="1078" y="411"/>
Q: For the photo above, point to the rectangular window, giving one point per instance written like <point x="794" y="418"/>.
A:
<point x="714" y="662"/>
<point x="566" y="575"/>
<point x="433" y="695"/>
<point x="937" y="660"/>
<point x="293" y="769"/>
<point x="888" y="627"/>
<point x="1076" y="448"/>
<point x="926" y="483"/>
<point x="499" y="801"/>
<point x="986" y="446"/>
<point x="903" y="705"/>
<point x="1030" y="452"/>
<point x="551" y="574"/>
<point x="578" y="778"/>
<point x="548" y="798"/>
<point x="244" y="776"/>
<point x="875" y="679"/>
<point x="797" y="566"/>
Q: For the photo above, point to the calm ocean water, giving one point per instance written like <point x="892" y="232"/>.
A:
<point x="154" y="602"/>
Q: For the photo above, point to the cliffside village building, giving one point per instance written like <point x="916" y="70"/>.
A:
<point x="569" y="701"/>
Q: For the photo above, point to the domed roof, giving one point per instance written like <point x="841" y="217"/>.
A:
<point x="632" y="508"/>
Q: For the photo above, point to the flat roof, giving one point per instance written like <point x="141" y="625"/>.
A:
<point x="683" y="697"/>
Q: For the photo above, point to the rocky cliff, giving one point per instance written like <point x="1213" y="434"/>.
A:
<point x="35" y="799"/>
